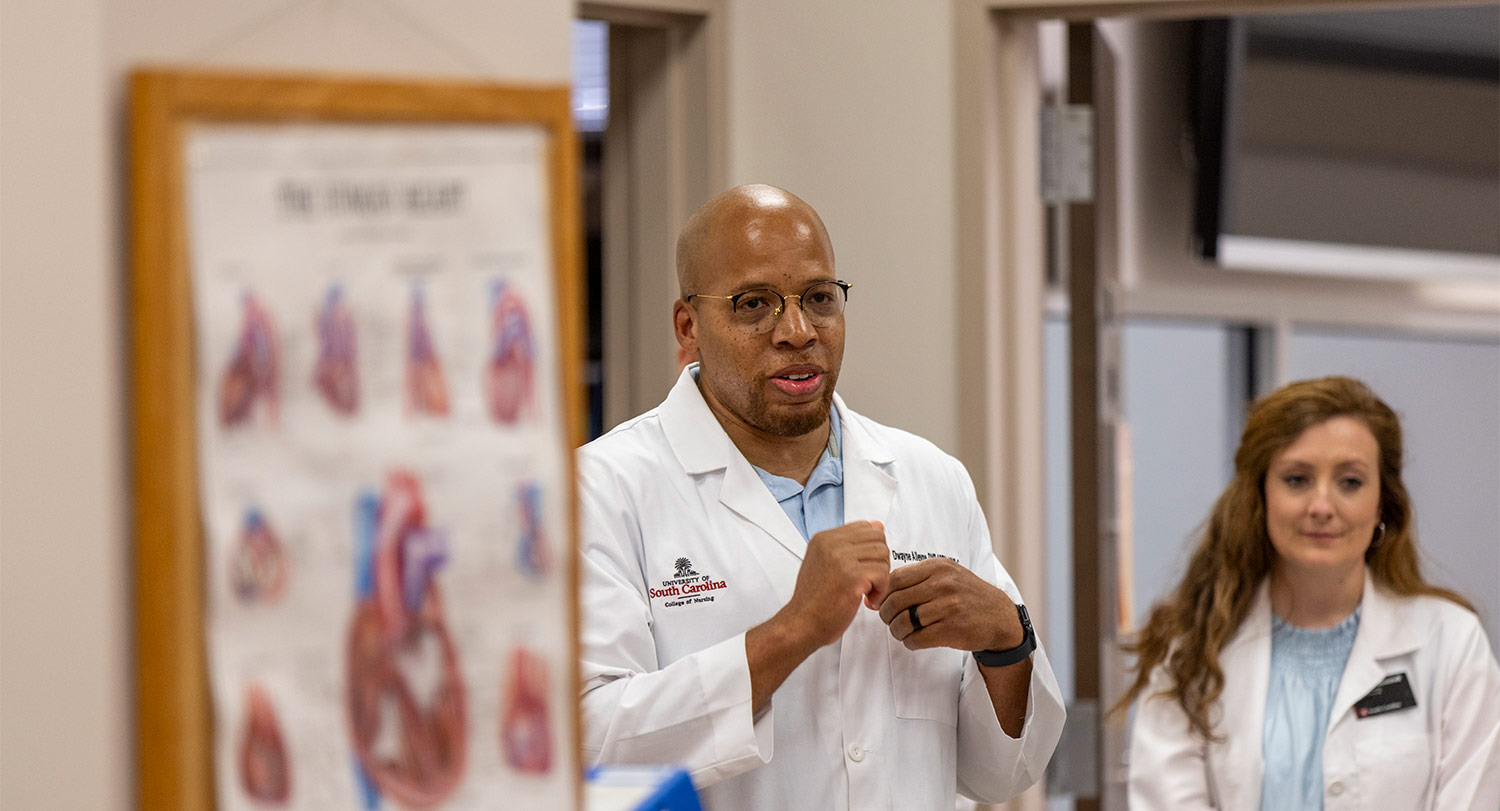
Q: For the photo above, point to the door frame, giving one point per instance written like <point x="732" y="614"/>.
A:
<point x="663" y="156"/>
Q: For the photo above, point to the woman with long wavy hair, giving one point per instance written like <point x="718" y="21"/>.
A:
<point x="1303" y="662"/>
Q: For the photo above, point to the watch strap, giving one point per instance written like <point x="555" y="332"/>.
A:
<point x="1002" y="658"/>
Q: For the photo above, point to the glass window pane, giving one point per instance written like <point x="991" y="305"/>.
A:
<point x="1184" y="402"/>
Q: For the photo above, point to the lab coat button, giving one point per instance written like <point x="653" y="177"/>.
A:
<point x="1335" y="788"/>
<point x="856" y="752"/>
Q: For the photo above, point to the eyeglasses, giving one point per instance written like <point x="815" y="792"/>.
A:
<point x="759" y="310"/>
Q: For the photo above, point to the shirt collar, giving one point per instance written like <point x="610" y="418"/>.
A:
<point x="829" y="470"/>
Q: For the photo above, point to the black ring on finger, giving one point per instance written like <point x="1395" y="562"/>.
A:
<point x="911" y="611"/>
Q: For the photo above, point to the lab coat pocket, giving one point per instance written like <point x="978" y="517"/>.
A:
<point x="1395" y="770"/>
<point x="925" y="682"/>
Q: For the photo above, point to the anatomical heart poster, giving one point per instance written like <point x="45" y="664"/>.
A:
<point x="382" y="457"/>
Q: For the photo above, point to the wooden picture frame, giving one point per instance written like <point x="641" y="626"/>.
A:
<point x="175" y="719"/>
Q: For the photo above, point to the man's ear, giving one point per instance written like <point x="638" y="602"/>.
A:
<point x="685" y="325"/>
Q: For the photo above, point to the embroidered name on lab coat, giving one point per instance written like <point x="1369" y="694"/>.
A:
<point x="912" y="557"/>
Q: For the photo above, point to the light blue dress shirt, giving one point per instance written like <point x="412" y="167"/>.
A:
<point x="1306" y="666"/>
<point x="820" y="504"/>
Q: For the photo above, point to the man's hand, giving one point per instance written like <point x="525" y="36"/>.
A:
<point x="842" y="567"/>
<point x="955" y="607"/>
<point x="959" y="610"/>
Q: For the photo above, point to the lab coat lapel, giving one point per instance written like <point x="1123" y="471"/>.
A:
<point x="702" y="447"/>
<point x="1383" y="633"/>
<point x="1246" y="661"/>
<point x="869" y="481"/>
<point x="747" y="495"/>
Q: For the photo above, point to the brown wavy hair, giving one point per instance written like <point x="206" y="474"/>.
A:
<point x="1186" y="631"/>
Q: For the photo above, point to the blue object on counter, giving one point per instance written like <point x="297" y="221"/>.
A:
<point x="640" y="788"/>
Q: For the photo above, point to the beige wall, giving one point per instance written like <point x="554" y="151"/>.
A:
<point x="64" y="684"/>
<point x="66" y="735"/>
<point x="849" y="103"/>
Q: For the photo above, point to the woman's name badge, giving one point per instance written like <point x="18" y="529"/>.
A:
<point x="1391" y="694"/>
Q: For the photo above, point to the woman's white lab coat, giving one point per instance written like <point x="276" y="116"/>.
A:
<point x="1441" y="755"/>
<point x="686" y="549"/>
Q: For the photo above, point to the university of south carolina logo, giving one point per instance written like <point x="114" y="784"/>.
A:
<point x="686" y="586"/>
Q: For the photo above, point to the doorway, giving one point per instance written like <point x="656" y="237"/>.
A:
<point x="651" y="155"/>
<point x="1247" y="331"/>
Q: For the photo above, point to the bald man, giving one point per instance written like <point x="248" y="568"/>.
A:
<point x="799" y="605"/>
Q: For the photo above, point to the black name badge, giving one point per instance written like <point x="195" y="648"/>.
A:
<point x="1391" y="694"/>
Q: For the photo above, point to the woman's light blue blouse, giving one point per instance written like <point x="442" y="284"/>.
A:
<point x="1306" y="665"/>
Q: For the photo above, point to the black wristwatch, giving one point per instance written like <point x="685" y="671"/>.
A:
<point x="1001" y="658"/>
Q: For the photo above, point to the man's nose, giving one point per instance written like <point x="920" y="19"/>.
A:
<point x="792" y="326"/>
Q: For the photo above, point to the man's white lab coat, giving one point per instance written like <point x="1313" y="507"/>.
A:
<point x="1441" y="755"/>
<point x="686" y="549"/>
